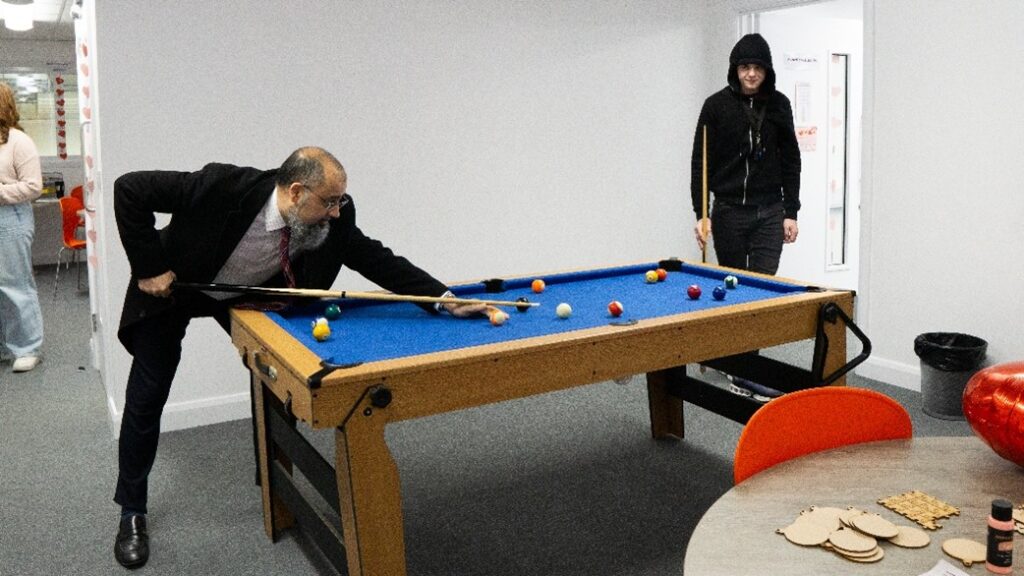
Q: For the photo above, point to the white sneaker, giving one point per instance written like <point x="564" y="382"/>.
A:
<point x="25" y="363"/>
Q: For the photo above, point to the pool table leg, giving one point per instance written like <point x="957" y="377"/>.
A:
<point x="369" y="495"/>
<point x="666" y="409"/>
<point x="276" y="516"/>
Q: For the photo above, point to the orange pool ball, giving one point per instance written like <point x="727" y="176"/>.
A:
<point x="537" y="286"/>
<point x="662" y="274"/>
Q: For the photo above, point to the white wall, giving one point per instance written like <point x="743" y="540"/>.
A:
<point x="481" y="137"/>
<point x="943" y="207"/>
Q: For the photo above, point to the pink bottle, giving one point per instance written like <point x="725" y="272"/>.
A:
<point x="999" y="559"/>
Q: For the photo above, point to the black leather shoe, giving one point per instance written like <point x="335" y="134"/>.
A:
<point x="131" y="549"/>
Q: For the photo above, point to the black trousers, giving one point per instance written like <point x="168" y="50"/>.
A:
<point x="156" y="347"/>
<point x="748" y="237"/>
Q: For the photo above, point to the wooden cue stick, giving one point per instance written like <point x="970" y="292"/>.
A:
<point x="317" y="293"/>
<point x="704" y="198"/>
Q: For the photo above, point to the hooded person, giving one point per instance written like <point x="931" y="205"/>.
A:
<point x="753" y="171"/>
<point x="753" y="163"/>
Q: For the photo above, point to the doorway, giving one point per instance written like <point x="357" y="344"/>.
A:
<point x="818" y="54"/>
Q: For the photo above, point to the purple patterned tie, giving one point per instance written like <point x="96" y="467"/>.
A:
<point x="286" y="265"/>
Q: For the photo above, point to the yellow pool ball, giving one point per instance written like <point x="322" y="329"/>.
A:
<point x="651" y="276"/>
<point x="321" y="332"/>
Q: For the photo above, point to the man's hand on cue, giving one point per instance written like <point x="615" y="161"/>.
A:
<point x="159" y="286"/>
<point x="465" y="310"/>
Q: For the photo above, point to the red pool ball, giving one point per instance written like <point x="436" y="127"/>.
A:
<point x="662" y="274"/>
<point x="615" y="308"/>
<point x="693" y="291"/>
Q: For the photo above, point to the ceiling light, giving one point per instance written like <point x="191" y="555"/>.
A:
<point x="17" y="14"/>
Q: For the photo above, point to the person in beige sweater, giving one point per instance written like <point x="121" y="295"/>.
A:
<point x="21" y="182"/>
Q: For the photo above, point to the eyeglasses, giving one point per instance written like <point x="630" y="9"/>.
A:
<point x="328" y="205"/>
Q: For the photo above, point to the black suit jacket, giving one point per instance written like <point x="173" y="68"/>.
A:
<point x="211" y="209"/>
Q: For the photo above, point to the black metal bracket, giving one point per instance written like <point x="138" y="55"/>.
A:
<point x="767" y="371"/>
<point x="326" y="367"/>
<point x="830" y="313"/>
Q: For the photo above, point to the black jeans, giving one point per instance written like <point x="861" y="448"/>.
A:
<point x="748" y="237"/>
<point x="156" y="347"/>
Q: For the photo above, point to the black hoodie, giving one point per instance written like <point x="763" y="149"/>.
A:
<point x="737" y="173"/>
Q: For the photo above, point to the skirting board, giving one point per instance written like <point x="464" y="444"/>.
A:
<point x="891" y="372"/>
<point x="181" y="415"/>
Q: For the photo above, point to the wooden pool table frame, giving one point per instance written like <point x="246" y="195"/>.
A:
<point x="363" y="487"/>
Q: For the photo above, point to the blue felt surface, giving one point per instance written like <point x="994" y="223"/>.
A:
<point x="372" y="330"/>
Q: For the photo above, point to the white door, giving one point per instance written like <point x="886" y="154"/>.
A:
<point x="817" y="53"/>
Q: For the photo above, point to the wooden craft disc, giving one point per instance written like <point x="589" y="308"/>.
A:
<point x="871" y="552"/>
<point x="875" y="525"/>
<point x="805" y="533"/>
<point x="910" y="537"/>
<point x="875" y="556"/>
<point x="825" y="516"/>
<point x="852" y="541"/>
<point x="964" y="550"/>
<point x="848" y="515"/>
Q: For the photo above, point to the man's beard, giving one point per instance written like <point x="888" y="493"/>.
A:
<point x="305" y="236"/>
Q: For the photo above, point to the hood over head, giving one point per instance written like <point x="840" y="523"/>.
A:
<point x="752" y="49"/>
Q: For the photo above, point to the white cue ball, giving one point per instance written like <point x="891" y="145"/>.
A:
<point x="563" y="310"/>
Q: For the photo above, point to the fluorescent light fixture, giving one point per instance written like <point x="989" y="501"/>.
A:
<point x="17" y="14"/>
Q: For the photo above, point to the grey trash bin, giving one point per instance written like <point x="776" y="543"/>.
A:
<point x="948" y="360"/>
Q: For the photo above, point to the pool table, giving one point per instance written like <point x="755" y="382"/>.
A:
<point x="386" y="362"/>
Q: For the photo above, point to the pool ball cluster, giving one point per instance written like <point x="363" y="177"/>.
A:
<point x="615" y="308"/>
<point x="730" y="282"/>
<point x="321" y="327"/>
<point x="656" y="275"/>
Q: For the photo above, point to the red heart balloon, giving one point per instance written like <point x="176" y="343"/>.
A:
<point x="61" y="123"/>
<point x="87" y="113"/>
<point x="85" y="90"/>
<point x="60" y="91"/>
<point x="59" y="80"/>
<point x="61" y="133"/>
<point x="63" y="155"/>
<point x="994" y="406"/>
<point x="60" y="102"/>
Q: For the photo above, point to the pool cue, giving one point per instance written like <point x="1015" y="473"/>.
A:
<point x="317" y="293"/>
<point x="704" y="198"/>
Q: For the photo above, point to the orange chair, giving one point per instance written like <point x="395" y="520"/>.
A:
<point x="69" y="209"/>
<point x="813" y="420"/>
<point x="79" y="192"/>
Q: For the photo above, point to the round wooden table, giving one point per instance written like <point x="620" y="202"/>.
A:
<point x="737" y="534"/>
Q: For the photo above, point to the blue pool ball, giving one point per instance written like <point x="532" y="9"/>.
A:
<point x="731" y="281"/>
<point x="718" y="293"/>
<point x="332" y="312"/>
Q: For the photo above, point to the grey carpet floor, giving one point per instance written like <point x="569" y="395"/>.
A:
<point x="561" y="484"/>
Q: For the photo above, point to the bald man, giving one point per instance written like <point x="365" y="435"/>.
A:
<point x="228" y="225"/>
